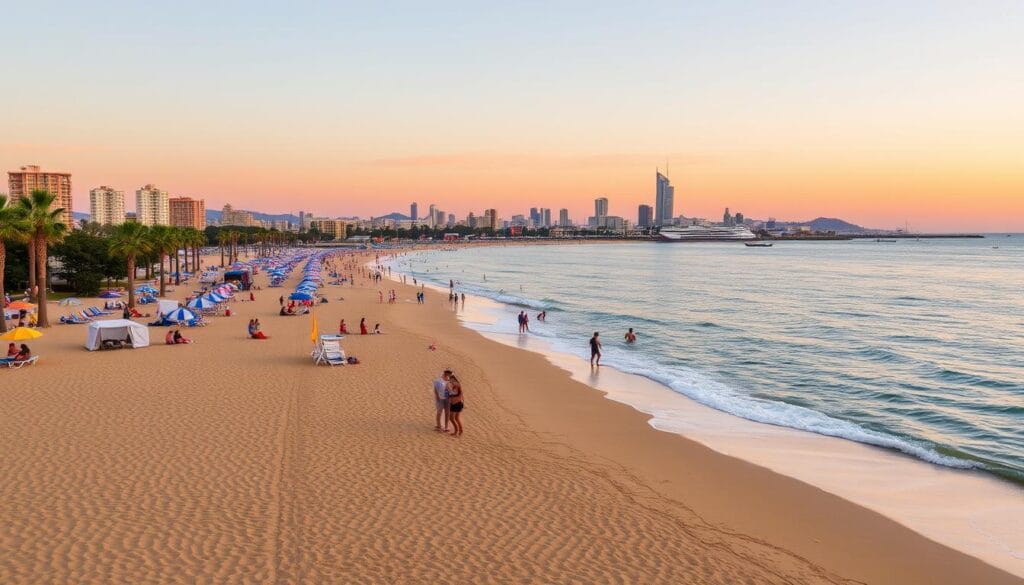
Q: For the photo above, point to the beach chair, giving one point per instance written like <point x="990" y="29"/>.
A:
<point x="329" y="352"/>
<point x="83" y="316"/>
<point x="96" y="312"/>
<point x="17" y="365"/>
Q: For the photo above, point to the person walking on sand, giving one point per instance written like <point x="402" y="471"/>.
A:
<point x="362" y="326"/>
<point x="441" y="401"/>
<point x="630" y="336"/>
<point x="595" y="350"/>
<point x="455" y="405"/>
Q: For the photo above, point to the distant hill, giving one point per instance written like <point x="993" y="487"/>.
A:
<point x="214" y="216"/>
<point x="831" y="224"/>
<point x="395" y="216"/>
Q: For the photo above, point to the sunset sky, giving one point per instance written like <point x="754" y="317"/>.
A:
<point x="875" y="112"/>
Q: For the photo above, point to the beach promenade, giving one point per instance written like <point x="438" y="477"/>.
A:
<point x="234" y="460"/>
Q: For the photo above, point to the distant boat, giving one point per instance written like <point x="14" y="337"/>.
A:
<point x="699" y="233"/>
<point x="885" y="240"/>
<point x="758" y="244"/>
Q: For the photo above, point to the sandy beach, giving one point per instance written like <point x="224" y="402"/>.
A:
<point x="233" y="460"/>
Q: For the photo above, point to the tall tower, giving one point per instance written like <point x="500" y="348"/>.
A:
<point x="151" y="206"/>
<point x="601" y="207"/>
<point x="563" y="218"/>
<point x="664" y="200"/>
<point x="106" y="205"/>
<point x="414" y="211"/>
<point x="22" y="182"/>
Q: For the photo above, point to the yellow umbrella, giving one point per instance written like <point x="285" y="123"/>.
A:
<point x="21" y="334"/>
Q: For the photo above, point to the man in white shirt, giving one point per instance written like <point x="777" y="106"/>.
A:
<point x="441" y="401"/>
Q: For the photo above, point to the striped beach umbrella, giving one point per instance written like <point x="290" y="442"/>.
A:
<point x="201" y="303"/>
<point x="180" y="314"/>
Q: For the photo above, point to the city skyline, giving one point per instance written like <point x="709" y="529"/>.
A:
<point x="879" y="115"/>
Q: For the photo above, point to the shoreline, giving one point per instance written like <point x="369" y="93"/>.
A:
<point x="900" y="487"/>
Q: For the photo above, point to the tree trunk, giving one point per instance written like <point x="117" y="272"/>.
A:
<point x="32" y="270"/>
<point x="3" y="264"/>
<point x="222" y="255"/>
<point x="163" y="281"/>
<point x="177" y="268"/>
<point x="131" y="281"/>
<point x="43" y="320"/>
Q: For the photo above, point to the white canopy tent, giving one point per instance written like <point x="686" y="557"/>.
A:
<point x="116" y="330"/>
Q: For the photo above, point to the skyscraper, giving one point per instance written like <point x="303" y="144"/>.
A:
<point x="491" y="219"/>
<point x="645" y="216"/>
<point x="664" y="204"/>
<point x="601" y="207"/>
<point x="451" y="220"/>
<point x="432" y="215"/>
<point x="727" y="218"/>
<point x="545" y="217"/>
<point x="151" y="206"/>
<point x="414" y="211"/>
<point x="534" y="216"/>
<point x="187" y="212"/>
<point x="563" y="218"/>
<point x="106" y="205"/>
<point x="22" y="182"/>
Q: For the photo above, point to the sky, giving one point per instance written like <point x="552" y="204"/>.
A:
<point x="880" y="113"/>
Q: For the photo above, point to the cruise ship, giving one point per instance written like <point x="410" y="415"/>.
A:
<point x="706" y="233"/>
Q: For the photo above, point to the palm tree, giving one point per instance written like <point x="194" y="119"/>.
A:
<point x="222" y="239"/>
<point x="130" y="240"/>
<point x="161" y="242"/>
<point x="45" y="226"/>
<point x="12" y="228"/>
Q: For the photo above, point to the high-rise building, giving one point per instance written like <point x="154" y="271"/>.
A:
<point x="563" y="218"/>
<point x="330" y="229"/>
<point x="29" y="178"/>
<point x="739" y="219"/>
<point x="600" y="207"/>
<point x="535" y="216"/>
<point x="545" y="217"/>
<point x="414" y="211"/>
<point x="727" y="218"/>
<point x="187" y="212"/>
<point x="106" y="205"/>
<point x="645" y="216"/>
<point x="232" y="216"/>
<point x="664" y="201"/>
<point x="491" y="219"/>
<point x="432" y="215"/>
<point x="151" y="206"/>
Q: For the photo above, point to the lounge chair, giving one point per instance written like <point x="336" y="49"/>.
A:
<point x="96" y="312"/>
<point x="329" y="352"/>
<point x="18" y="364"/>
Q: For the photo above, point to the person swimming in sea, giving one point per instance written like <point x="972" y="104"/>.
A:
<point x="630" y="336"/>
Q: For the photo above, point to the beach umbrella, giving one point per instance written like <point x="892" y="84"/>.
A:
<point x="21" y="334"/>
<point x="180" y="314"/>
<point x="201" y="303"/>
<point x="70" y="302"/>
<point x="19" y="305"/>
<point x="216" y="298"/>
<point x="300" y="296"/>
<point x="109" y="295"/>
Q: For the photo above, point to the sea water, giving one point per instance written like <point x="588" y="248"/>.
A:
<point x="915" y="346"/>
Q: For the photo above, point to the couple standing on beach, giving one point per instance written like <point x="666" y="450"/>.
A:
<point x="449" y="403"/>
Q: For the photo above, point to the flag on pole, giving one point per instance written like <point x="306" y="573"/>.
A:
<point x="313" y="334"/>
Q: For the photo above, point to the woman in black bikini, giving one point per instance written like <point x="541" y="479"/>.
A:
<point x="455" y="404"/>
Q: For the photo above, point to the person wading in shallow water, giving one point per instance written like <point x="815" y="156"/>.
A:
<point x="595" y="350"/>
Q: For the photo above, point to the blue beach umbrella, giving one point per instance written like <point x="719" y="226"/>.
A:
<point x="180" y="314"/>
<point x="201" y="303"/>
<point x="216" y="298"/>
<point x="300" y="296"/>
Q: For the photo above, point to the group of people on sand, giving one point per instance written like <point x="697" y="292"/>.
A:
<point x="448" y="404"/>
<point x="175" y="337"/>
<point x="343" y="328"/>
<point x="255" y="331"/>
